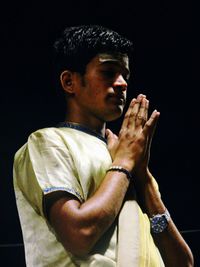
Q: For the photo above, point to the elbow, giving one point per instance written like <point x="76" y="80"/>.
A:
<point x="189" y="264"/>
<point x="82" y="242"/>
<point x="190" y="258"/>
<point x="190" y="261"/>
<point x="86" y="236"/>
<point x="185" y="261"/>
<point x="87" y="240"/>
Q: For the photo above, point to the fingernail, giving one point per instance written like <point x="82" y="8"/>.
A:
<point x="155" y="111"/>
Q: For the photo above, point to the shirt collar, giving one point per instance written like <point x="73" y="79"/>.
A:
<point x="81" y="128"/>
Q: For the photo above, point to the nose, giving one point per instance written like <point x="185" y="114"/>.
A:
<point x="120" y="83"/>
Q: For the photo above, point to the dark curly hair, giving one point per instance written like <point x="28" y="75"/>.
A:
<point x="79" y="44"/>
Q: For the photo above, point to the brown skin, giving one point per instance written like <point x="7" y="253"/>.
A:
<point x="93" y="100"/>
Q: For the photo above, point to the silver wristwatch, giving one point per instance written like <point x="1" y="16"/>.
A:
<point x="159" y="222"/>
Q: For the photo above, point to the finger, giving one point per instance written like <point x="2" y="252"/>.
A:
<point x="111" y="138"/>
<point x="134" y="112"/>
<point x="109" y="134"/>
<point x="127" y="115"/>
<point x="152" y="133"/>
<point x="150" y="125"/>
<point x="142" y="115"/>
<point x="147" y="109"/>
<point x="136" y="107"/>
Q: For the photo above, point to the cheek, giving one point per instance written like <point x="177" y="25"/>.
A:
<point x="97" y="89"/>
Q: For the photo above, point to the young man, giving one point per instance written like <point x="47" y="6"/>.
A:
<point x="85" y="196"/>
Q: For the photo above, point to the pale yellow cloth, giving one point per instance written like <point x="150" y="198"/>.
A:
<point x="70" y="160"/>
<point x="135" y="244"/>
<point x="56" y="159"/>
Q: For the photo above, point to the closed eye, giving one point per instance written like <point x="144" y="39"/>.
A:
<point x="110" y="74"/>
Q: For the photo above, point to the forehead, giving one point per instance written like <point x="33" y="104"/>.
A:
<point x="117" y="58"/>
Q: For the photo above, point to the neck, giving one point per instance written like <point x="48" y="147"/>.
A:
<point x="93" y="124"/>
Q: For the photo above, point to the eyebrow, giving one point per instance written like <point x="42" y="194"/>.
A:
<point x="114" y="63"/>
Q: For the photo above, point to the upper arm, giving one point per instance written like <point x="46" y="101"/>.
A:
<point x="45" y="170"/>
<point x="68" y="222"/>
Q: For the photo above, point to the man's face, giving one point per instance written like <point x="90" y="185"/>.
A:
<point x="104" y="86"/>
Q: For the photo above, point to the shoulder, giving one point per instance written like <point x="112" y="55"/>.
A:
<point x="51" y="131"/>
<point x="40" y="138"/>
<point x="48" y="135"/>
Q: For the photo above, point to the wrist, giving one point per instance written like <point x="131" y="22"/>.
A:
<point x="124" y="164"/>
<point x="159" y="222"/>
<point x="118" y="168"/>
<point x="143" y="177"/>
<point x="150" y="197"/>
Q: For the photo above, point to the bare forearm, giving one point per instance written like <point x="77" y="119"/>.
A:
<point x="102" y="208"/>
<point x="172" y="246"/>
<point x="79" y="226"/>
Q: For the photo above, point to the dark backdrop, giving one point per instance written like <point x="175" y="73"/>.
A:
<point x="165" y="67"/>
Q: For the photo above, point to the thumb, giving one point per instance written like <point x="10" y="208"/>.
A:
<point x="111" y="138"/>
<point x="150" y="125"/>
<point x="109" y="133"/>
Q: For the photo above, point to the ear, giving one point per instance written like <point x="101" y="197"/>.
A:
<point x="66" y="79"/>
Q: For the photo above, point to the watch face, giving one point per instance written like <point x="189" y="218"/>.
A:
<point x="158" y="223"/>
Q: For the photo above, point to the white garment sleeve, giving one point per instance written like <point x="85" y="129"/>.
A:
<point x="44" y="165"/>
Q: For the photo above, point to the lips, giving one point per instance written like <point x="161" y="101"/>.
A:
<point x="118" y="99"/>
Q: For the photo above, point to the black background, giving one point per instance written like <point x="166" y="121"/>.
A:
<point x="165" y="67"/>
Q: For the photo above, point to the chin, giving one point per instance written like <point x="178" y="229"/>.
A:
<point x="114" y="115"/>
